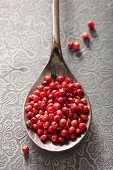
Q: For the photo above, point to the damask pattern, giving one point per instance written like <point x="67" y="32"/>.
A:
<point x="25" y="45"/>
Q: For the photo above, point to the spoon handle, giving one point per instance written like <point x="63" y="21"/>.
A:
<point x="56" y="58"/>
<point x="56" y="29"/>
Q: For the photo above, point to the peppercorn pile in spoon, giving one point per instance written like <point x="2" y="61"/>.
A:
<point x="57" y="110"/>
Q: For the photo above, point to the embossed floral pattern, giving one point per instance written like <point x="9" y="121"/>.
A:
<point x="25" y="45"/>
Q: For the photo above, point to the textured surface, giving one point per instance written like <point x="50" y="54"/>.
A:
<point x="25" y="41"/>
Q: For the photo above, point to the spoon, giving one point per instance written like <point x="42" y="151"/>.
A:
<point x="56" y="66"/>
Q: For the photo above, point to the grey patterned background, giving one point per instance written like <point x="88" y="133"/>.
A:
<point x="25" y="41"/>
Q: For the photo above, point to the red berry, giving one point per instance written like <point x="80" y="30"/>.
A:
<point x="54" y="138"/>
<point x="82" y="126"/>
<point x="50" y="109"/>
<point x="36" y="92"/>
<point x="62" y="92"/>
<point x="29" y="115"/>
<point x="42" y="94"/>
<point x="64" y="84"/>
<point x="35" y="111"/>
<point x="56" y="118"/>
<point x="41" y="105"/>
<point x="86" y="109"/>
<point x="73" y="136"/>
<point x="45" y="118"/>
<point x="50" y="101"/>
<point x="61" y="139"/>
<point x="60" y="100"/>
<point x="54" y="125"/>
<point x="44" y="83"/>
<point x="56" y="106"/>
<point x="28" y="108"/>
<point x="86" y="36"/>
<point x="81" y="106"/>
<point x="68" y="122"/>
<point x="74" y="107"/>
<point x="70" y="86"/>
<point x="50" y="129"/>
<point x="41" y="112"/>
<point x="77" y="101"/>
<point x="63" y="123"/>
<point x="48" y="78"/>
<point x="68" y="80"/>
<point x="35" y="126"/>
<point x="65" y="110"/>
<point x="46" y="125"/>
<point x="46" y="88"/>
<point x="70" y="100"/>
<point x="40" y="87"/>
<point x="83" y="117"/>
<point x="35" y="98"/>
<point x="64" y="132"/>
<point x="54" y="93"/>
<point x="40" y="132"/>
<point x="45" y="132"/>
<point x="51" y="117"/>
<point x="34" y="120"/>
<point x="71" y="129"/>
<point x="70" y="44"/>
<point x="25" y="149"/>
<point x="84" y="101"/>
<point x="46" y="112"/>
<point x="43" y="137"/>
<point x="91" y="24"/>
<point x="79" y="92"/>
<point x="28" y="124"/>
<point x="27" y="103"/>
<point x="60" y="79"/>
<point x="29" y="98"/>
<point x="36" y="105"/>
<point x="39" y="123"/>
<point x="79" y="120"/>
<point x="78" y="131"/>
<point x="70" y="114"/>
<point x="50" y="96"/>
<point x="48" y="92"/>
<point x="74" y="123"/>
<point x="76" y="46"/>
<point x="59" y="113"/>
<point x="38" y="116"/>
<point x="32" y="103"/>
<point x="78" y="85"/>
<point x="45" y="99"/>
<point x="57" y="84"/>
<point x="52" y="85"/>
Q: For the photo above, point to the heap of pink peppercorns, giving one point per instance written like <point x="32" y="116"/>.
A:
<point x="57" y="110"/>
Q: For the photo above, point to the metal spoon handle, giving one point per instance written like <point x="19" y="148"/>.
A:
<point x="56" y="29"/>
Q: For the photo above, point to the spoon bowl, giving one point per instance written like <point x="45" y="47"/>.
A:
<point x="56" y="66"/>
